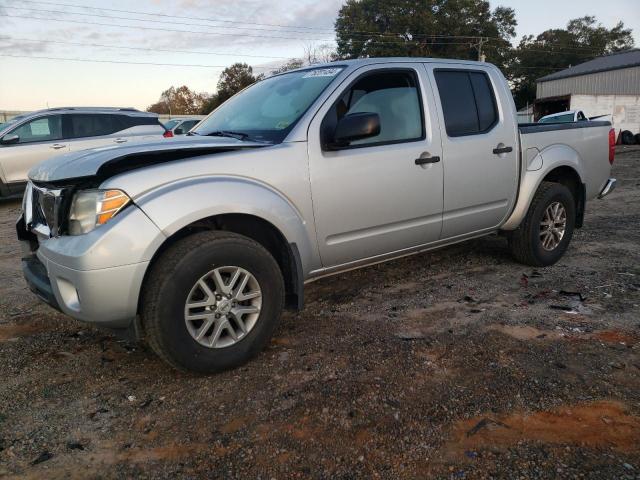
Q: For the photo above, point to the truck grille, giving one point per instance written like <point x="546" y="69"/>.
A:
<point x="41" y="208"/>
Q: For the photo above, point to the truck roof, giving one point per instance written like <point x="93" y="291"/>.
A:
<point x="376" y="60"/>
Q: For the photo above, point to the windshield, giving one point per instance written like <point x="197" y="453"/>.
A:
<point x="567" y="118"/>
<point x="269" y="109"/>
<point x="170" y="124"/>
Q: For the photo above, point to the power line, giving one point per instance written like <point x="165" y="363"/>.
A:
<point x="139" y="27"/>
<point x="40" y="57"/>
<point x="144" y="20"/>
<point x="142" y="48"/>
<point x="326" y="30"/>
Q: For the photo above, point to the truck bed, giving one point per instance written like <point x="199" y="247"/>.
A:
<point x="585" y="143"/>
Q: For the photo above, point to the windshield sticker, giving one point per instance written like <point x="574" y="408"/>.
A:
<point x="322" y="72"/>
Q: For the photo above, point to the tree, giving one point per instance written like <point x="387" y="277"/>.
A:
<point x="178" y="101"/>
<point x="557" y="49"/>
<point x="233" y="79"/>
<point x="434" y="28"/>
<point x="291" y="64"/>
<point x="323" y="53"/>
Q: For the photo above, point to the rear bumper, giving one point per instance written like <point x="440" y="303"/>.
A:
<point x="609" y="187"/>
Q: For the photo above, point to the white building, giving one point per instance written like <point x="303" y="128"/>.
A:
<point x="608" y="85"/>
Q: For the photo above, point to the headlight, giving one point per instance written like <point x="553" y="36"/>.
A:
<point x="91" y="208"/>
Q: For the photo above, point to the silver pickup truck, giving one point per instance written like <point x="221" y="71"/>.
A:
<point x="198" y="244"/>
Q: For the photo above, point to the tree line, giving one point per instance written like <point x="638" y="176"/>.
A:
<point x="461" y="29"/>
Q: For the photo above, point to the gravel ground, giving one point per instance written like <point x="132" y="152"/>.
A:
<point x="454" y="364"/>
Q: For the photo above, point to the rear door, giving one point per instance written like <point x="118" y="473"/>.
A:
<point x="39" y="139"/>
<point x="91" y="130"/>
<point x="372" y="197"/>
<point x="479" y="147"/>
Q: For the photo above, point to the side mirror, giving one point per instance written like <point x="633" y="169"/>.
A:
<point x="178" y="131"/>
<point x="356" y="126"/>
<point x="10" y="139"/>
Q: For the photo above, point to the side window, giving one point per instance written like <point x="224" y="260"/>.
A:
<point x="42" y="129"/>
<point x="581" y="117"/>
<point x="468" y="102"/>
<point x="91" y="125"/>
<point x="394" y="96"/>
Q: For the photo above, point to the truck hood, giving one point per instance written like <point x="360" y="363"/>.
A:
<point x="104" y="162"/>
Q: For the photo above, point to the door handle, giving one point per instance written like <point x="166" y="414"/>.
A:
<point x="120" y="140"/>
<point x="57" y="146"/>
<point x="425" y="160"/>
<point x="498" y="151"/>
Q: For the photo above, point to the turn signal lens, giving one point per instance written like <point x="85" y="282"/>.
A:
<point x="91" y="208"/>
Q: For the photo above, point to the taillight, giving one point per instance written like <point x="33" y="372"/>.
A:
<point x="612" y="145"/>
<point x="167" y="134"/>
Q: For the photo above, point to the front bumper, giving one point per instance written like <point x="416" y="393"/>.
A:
<point x="96" y="277"/>
<point x="609" y="187"/>
<point x="35" y="274"/>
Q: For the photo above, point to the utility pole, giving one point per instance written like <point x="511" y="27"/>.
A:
<point x="481" y="57"/>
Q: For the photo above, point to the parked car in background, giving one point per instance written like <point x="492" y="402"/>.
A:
<point x="197" y="244"/>
<point x="28" y="139"/>
<point x="565" y="117"/>
<point x="181" y="126"/>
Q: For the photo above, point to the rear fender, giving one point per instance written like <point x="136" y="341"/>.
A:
<point x="553" y="156"/>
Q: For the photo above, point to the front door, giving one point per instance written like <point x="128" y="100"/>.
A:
<point x="382" y="194"/>
<point x="38" y="140"/>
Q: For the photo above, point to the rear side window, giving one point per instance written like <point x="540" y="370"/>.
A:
<point x="468" y="102"/>
<point x="135" y="121"/>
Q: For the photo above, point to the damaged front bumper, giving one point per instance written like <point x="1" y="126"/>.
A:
<point x="96" y="277"/>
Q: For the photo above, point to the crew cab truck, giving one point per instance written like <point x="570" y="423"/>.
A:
<point x="198" y="244"/>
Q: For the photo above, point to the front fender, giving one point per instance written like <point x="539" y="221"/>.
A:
<point x="174" y="206"/>
<point x="553" y="156"/>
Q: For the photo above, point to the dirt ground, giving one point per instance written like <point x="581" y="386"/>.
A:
<point x="459" y="363"/>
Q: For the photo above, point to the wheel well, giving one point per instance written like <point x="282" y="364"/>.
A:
<point x="261" y="231"/>
<point x="568" y="177"/>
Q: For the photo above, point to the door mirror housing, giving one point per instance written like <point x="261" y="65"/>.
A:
<point x="10" y="139"/>
<point x="355" y="126"/>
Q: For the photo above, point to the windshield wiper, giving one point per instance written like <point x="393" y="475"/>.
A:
<point x="228" y="133"/>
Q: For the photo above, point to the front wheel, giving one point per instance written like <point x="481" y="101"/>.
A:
<point x="212" y="301"/>
<point x="546" y="231"/>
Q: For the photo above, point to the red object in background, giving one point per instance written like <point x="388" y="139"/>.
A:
<point x="167" y="134"/>
<point x="612" y="145"/>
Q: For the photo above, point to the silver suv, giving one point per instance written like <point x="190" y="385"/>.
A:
<point x="29" y="139"/>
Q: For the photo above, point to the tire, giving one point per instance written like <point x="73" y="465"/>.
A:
<point x="627" y="137"/>
<point x="526" y="243"/>
<point x="637" y="137"/>
<point x="175" y="279"/>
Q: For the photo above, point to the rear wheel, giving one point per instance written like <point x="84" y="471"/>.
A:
<point x="546" y="231"/>
<point x="212" y="301"/>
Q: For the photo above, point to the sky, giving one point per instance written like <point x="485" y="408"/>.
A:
<point x="202" y="36"/>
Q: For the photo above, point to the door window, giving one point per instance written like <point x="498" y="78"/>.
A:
<point x="468" y="102"/>
<point x="394" y="96"/>
<point x="42" y="129"/>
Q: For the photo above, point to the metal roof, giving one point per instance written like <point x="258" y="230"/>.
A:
<point x="614" y="61"/>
